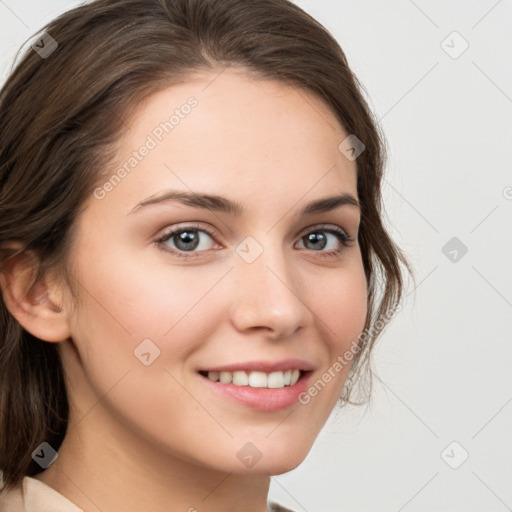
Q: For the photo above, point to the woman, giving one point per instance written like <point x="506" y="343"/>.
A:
<point x="194" y="265"/>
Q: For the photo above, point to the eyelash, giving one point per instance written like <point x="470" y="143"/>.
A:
<point x="346" y="240"/>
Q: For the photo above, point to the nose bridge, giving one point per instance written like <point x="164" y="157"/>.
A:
<point x="268" y="293"/>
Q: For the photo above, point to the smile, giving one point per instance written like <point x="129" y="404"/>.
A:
<point x="262" y="391"/>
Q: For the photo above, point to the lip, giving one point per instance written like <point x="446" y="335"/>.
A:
<point x="260" y="399"/>
<point x="263" y="366"/>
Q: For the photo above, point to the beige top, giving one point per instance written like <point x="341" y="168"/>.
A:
<point x="35" y="496"/>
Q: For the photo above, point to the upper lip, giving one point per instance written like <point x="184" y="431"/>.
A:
<point x="263" y="366"/>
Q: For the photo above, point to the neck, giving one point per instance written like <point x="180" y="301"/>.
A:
<point x="101" y="469"/>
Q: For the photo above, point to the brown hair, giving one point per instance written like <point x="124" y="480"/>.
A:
<point x="61" y="116"/>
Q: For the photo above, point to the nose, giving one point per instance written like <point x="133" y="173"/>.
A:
<point x="269" y="296"/>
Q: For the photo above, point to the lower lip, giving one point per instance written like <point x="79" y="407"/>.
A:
<point x="261" y="399"/>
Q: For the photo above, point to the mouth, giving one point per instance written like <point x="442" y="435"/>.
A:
<point x="264" y="387"/>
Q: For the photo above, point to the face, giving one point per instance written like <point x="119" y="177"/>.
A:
<point x="176" y="291"/>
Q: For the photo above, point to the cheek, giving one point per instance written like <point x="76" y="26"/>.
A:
<point x="119" y="309"/>
<point x="341" y="306"/>
<point x="123" y="304"/>
<point x="129" y="301"/>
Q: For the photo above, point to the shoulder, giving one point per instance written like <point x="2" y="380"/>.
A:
<point x="11" y="500"/>
<point x="33" y="495"/>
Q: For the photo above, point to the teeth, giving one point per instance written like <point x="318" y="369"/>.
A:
<point x="275" y="380"/>
<point x="239" y="379"/>
<point x="295" y="377"/>
<point x="258" y="380"/>
<point x="226" y="377"/>
<point x="213" y="375"/>
<point x="272" y="380"/>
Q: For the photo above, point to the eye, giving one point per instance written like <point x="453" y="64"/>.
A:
<point x="190" y="241"/>
<point x="319" y="240"/>
<point x="185" y="239"/>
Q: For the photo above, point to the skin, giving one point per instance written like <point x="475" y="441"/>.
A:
<point x="154" y="437"/>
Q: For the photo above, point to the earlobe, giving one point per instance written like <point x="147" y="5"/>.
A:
<point x="36" y="305"/>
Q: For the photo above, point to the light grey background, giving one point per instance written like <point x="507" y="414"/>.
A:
<point x="443" y="368"/>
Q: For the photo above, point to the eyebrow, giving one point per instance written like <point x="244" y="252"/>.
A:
<point x="224" y="205"/>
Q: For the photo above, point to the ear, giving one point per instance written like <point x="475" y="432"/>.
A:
<point x="36" y="305"/>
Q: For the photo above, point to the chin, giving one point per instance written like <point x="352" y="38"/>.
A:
<point x="276" y="460"/>
<point x="284" y="467"/>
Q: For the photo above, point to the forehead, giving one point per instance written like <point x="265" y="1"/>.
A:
<point x="226" y="130"/>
